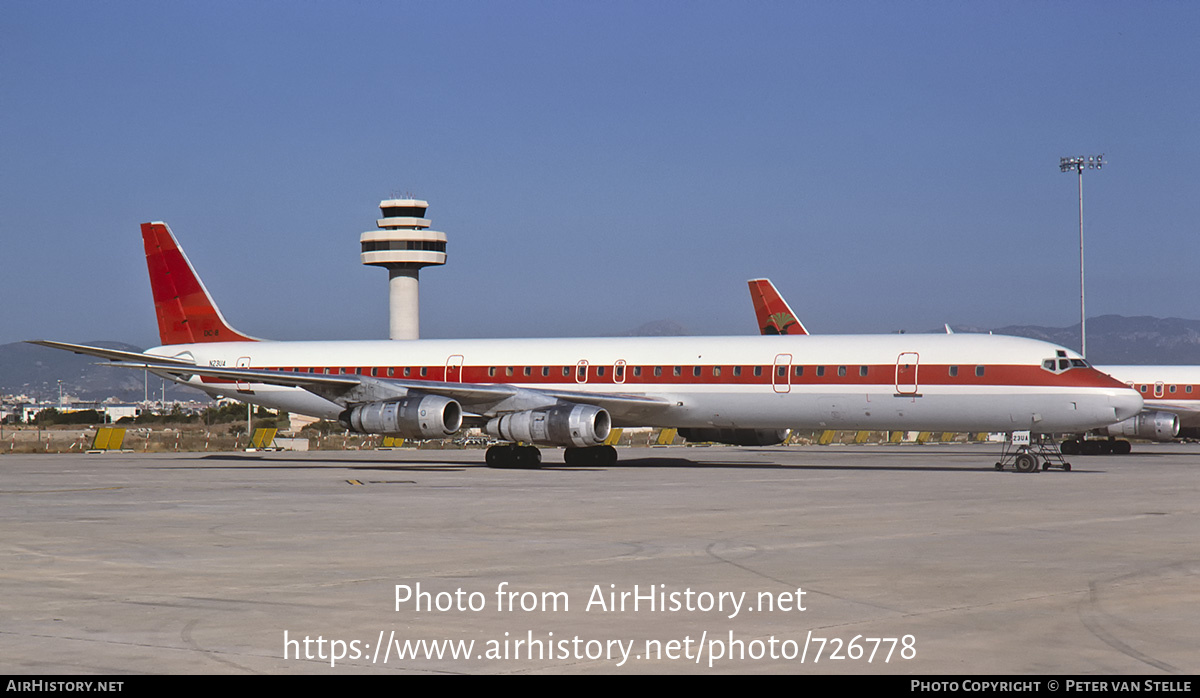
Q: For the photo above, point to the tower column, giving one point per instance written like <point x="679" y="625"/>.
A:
<point x="404" y="300"/>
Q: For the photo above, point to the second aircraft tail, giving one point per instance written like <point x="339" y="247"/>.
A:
<point x="773" y="314"/>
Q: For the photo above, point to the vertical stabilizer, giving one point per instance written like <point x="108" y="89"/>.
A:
<point x="186" y="313"/>
<point x="774" y="315"/>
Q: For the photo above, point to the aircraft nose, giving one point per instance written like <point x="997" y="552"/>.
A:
<point x="1126" y="403"/>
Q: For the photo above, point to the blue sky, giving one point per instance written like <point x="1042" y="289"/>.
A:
<point x="597" y="166"/>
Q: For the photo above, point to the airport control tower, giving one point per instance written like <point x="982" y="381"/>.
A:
<point x="404" y="243"/>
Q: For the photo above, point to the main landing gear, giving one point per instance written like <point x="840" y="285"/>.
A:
<point x="529" y="457"/>
<point x="1097" y="447"/>
<point x="1025" y="457"/>
<point x="513" y="456"/>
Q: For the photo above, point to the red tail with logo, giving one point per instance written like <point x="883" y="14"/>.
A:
<point x="186" y="313"/>
<point x="774" y="315"/>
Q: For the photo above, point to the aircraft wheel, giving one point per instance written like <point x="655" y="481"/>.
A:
<point x="999" y="466"/>
<point x="1122" y="447"/>
<point x="590" y="455"/>
<point x="1025" y="463"/>
<point x="1067" y="467"/>
<point x="526" y="457"/>
<point x="499" y="456"/>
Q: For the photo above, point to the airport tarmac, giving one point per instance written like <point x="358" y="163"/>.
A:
<point x="890" y="559"/>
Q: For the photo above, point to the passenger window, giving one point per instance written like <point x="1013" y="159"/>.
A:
<point x="716" y="370"/>
<point x="841" y="370"/>
<point x="953" y="371"/>
<point x="737" y="370"/>
<point x="820" y="370"/>
<point x="979" y="370"/>
<point x="637" y="371"/>
<point x="862" y="371"/>
<point x="658" y="370"/>
<point x="799" y="371"/>
<point x="758" y="370"/>
<point x="599" y="371"/>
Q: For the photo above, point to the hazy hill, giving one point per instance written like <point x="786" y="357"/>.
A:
<point x="1116" y="339"/>
<point x="35" y="371"/>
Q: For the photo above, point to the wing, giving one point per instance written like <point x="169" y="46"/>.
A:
<point x="484" y="399"/>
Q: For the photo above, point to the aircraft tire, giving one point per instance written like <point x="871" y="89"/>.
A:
<point x="1025" y="463"/>
<point x="590" y="455"/>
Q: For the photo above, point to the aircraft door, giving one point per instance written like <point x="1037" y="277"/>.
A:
<point x="781" y="373"/>
<point x="619" y="371"/>
<point x="906" y="373"/>
<point x="454" y="366"/>
<point x="1158" y="389"/>
<point x="243" y="362"/>
<point x="581" y="371"/>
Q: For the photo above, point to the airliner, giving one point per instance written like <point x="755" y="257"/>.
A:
<point x="571" y="392"/>
<point x="1171" y="393"/>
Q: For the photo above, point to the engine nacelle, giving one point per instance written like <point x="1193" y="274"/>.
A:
<point x="416" y="417"/>
<point x="564" y="425"/>
<point x="1156" y="426"/>
<point x="737" y="437"/>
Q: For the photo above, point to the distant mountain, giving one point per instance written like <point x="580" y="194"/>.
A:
<point x="658" y="328"/>
<point x="35" y="371"/>
<point x="1116" y="339"/>
<point x="1112" y="339"/>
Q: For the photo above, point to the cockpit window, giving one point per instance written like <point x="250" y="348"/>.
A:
<point x="1060" y="363"/>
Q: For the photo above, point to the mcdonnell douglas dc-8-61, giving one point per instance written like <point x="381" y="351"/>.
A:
<point x="570" y="392"/>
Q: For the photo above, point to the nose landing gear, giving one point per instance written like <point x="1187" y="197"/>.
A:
<point x="1024" y="454"/>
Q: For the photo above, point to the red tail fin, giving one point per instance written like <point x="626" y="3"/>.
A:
<point x="774" y="315"/>
<point x="186" y="313"/>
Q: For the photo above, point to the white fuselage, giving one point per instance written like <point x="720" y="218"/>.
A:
<point x="956" y="382"/>
<point x="1174" y="389"/>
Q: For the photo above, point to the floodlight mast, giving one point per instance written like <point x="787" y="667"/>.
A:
<point x="1077" y="164"/>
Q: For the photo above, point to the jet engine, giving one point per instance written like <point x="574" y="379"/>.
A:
<point x="415" y="417"/>
<point x="1156" y="426"/>
<point x="737" y="437"/>
<point x="563" y="425"/>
